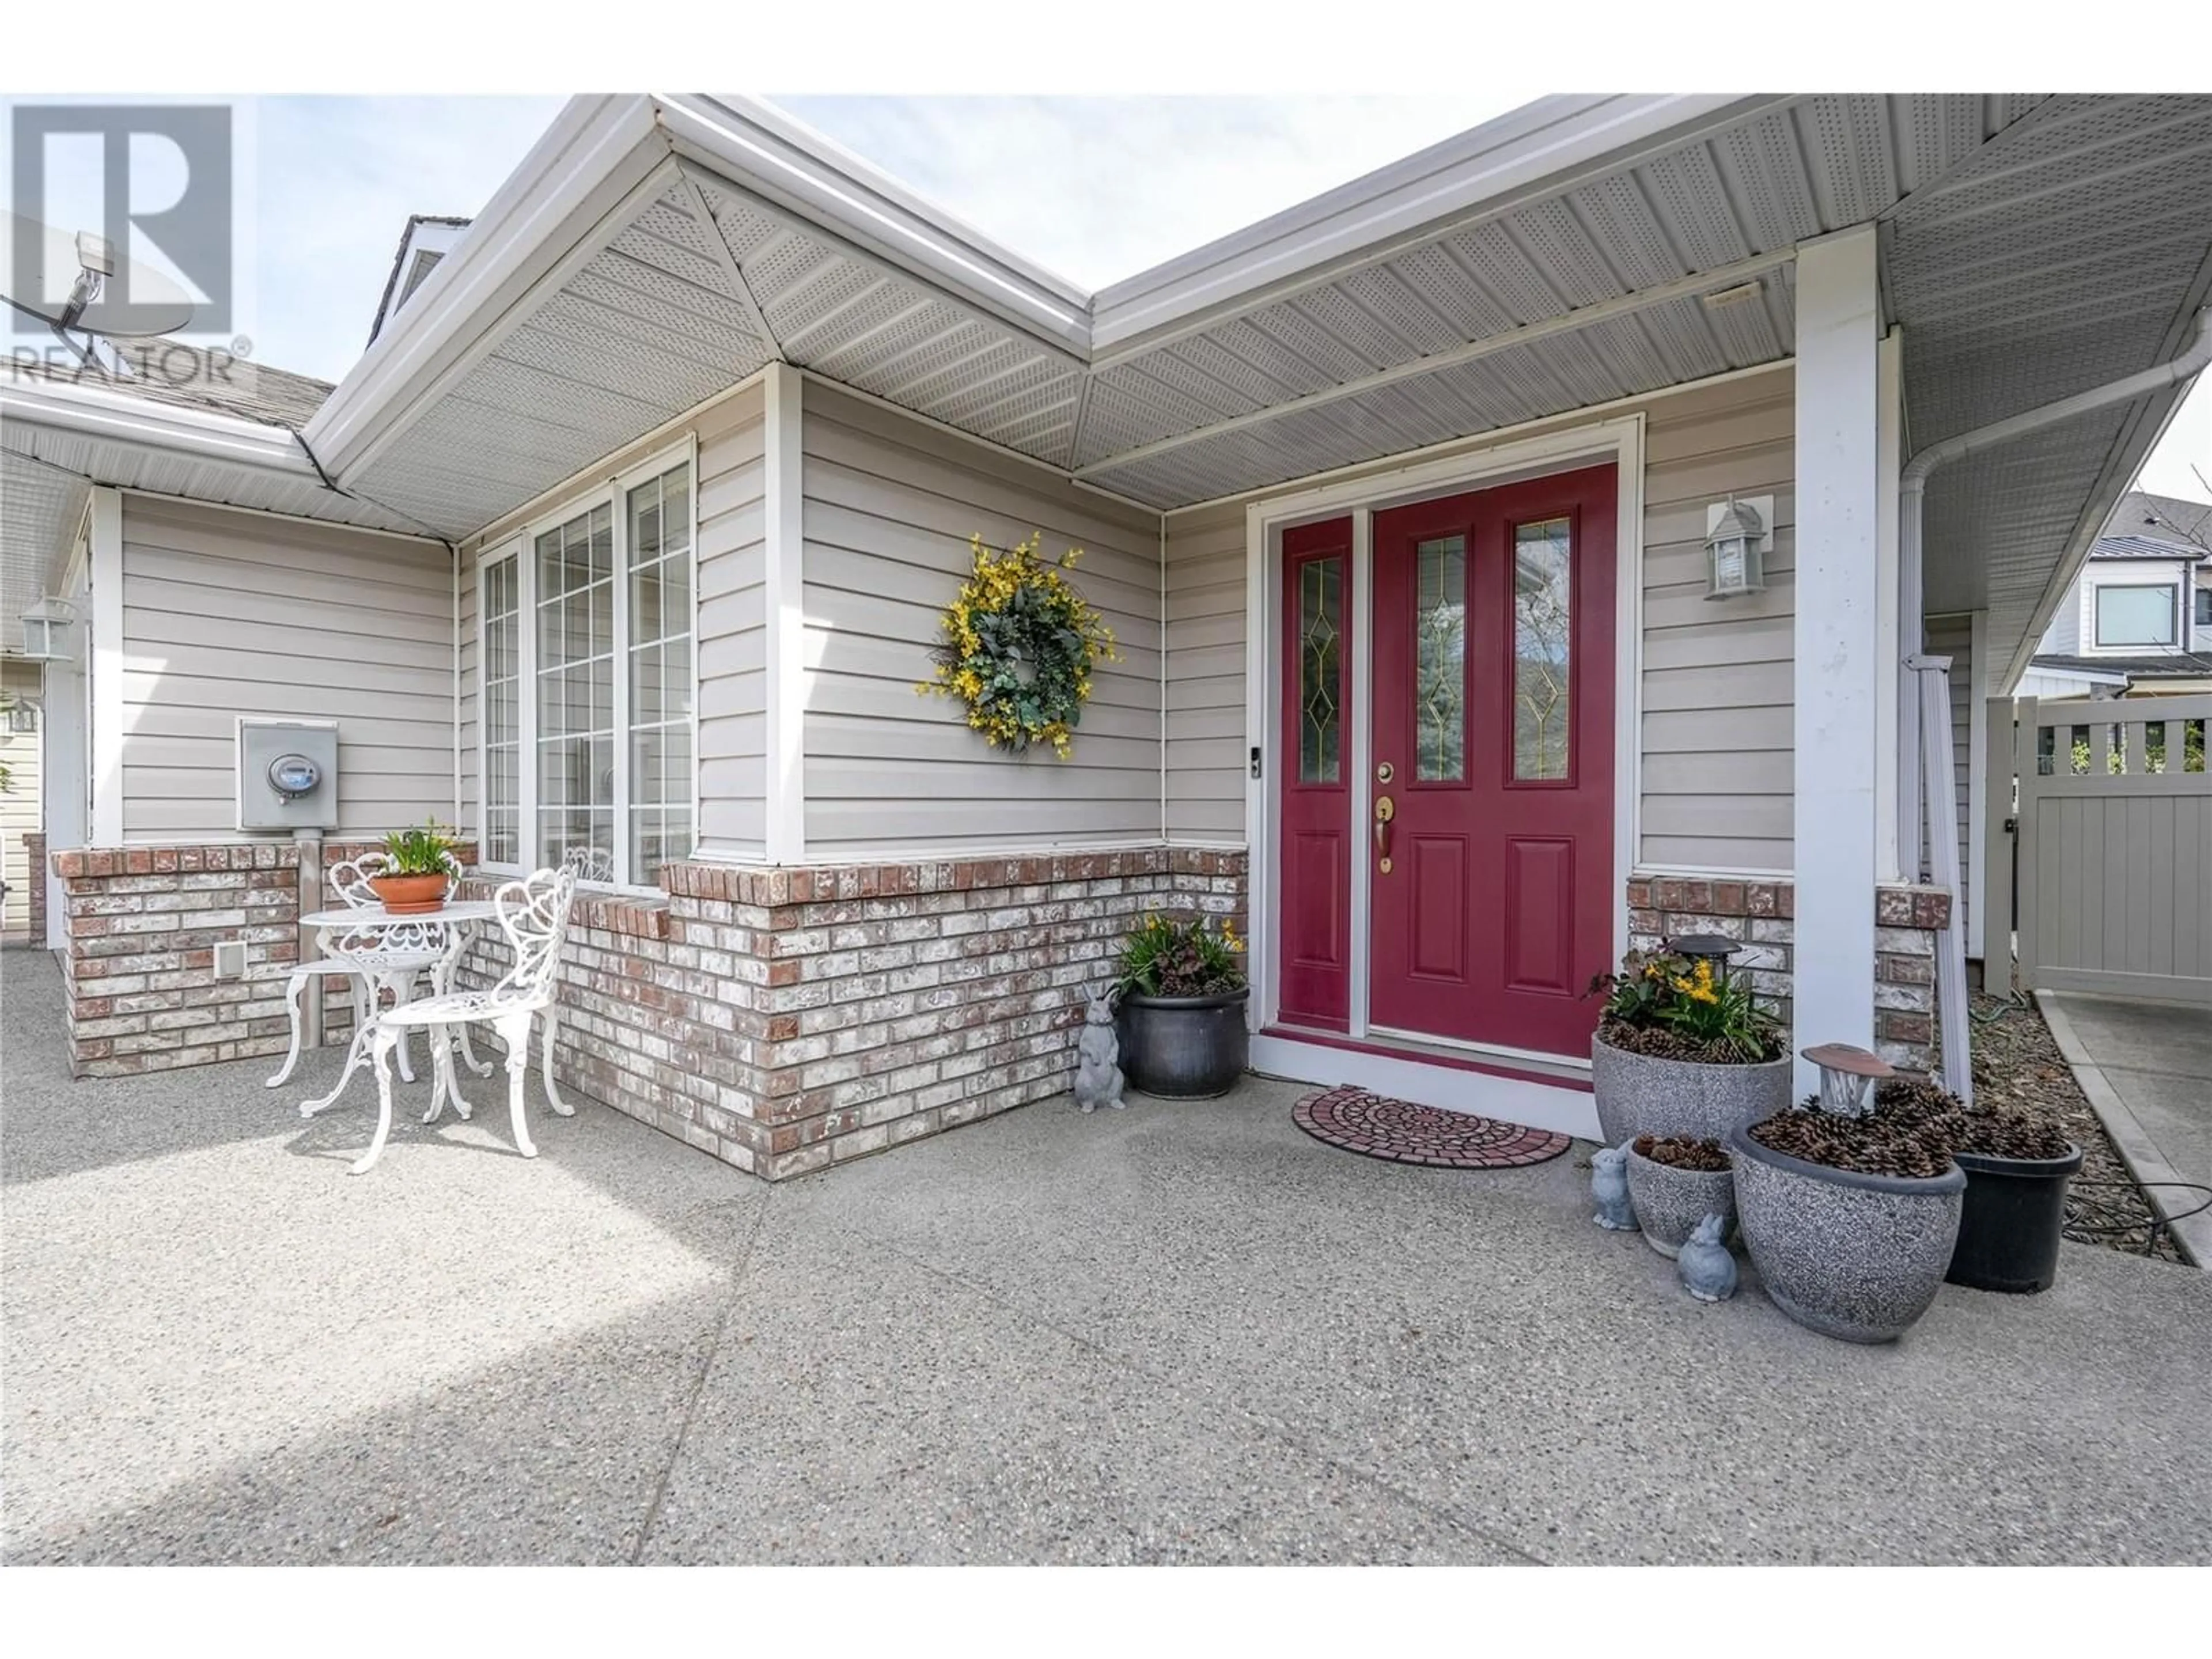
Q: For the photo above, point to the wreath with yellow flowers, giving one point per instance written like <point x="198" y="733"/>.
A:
<point x="1019" y="646"/>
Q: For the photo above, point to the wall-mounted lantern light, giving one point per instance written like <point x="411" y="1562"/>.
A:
<point x="1737" y="543"/>
<point x="46" y="630"/>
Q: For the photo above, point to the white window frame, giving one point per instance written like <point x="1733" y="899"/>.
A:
<point x="2173" y="592"/>
<point x="520" y="546"/>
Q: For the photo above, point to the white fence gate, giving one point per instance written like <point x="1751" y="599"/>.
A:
<point x="2115" y="846"/>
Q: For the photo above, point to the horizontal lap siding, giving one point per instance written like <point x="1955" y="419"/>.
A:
<point x="229" y="613"/>
<point x="732" y="627"/>
<point x="1207" y="744"/>
<point x="889" y="506"/>
<point x="22" y="755"/>
<point x="1718" y="752"/>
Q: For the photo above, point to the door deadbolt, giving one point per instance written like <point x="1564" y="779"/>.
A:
<point x="1385" y="772"/>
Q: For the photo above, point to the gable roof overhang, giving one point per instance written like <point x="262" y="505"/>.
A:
<point x="652" y="251"/>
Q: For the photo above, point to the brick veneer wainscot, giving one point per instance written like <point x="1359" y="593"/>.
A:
<point x="785" y="1019"/>
<point x="140" y="926"/>
<point x="1907" y="919"/>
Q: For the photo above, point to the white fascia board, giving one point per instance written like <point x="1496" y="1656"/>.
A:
<point x="1540" y="148"/>
<point x="598" y="151"/>
<point x="762" y="150"/>
<point x="203" y="435"/>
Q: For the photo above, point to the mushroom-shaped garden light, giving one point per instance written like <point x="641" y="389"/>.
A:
<point x="1846" y="1073"/>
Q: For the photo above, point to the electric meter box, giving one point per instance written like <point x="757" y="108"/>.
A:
<point x="288" y="774"/>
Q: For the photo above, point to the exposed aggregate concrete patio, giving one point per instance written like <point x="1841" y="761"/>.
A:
<point x="1179" y="1332"/>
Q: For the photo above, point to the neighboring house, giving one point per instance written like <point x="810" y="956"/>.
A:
<point x="428" y="239"/>
<point x="634" y="525"/>
<point x="2138" y="619"/>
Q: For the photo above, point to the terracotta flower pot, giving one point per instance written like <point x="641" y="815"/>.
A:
<point x="412" y="896"/>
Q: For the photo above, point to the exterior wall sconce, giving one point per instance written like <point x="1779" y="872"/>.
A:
<point x="1737" y="541"/>
<point x="45" y="630"/>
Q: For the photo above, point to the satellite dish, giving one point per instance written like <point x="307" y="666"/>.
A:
<point x="110" y="296"/>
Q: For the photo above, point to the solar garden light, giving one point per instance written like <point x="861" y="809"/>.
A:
<point x="1715" y="948"/>
<point x="1847" y="1074"/>
<point x="1735" y="552"/>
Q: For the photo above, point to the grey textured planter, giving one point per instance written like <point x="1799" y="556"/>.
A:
<point x="1854" y="1256"/>
<point x="1183" y="1048"/>
<point x="1669" y="1098"/>
<point x="1670" y="1202"/>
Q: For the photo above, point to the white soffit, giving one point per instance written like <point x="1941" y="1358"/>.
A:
<point x="1608" y="278"/>
<point x="2070" y="251"/>
<point x="39" y="509"/>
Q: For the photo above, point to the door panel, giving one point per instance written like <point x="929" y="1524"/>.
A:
<point x="1316" y="776"/>
<point x="1493" y="744"/>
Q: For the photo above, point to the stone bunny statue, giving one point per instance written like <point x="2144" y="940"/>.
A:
<point x="1609" y="1186"/>
<point x="1097" y="1074"/>
<point x="1708" y="1270"/>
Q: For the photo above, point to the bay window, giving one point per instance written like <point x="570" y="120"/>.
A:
<point x="587" y="681"/>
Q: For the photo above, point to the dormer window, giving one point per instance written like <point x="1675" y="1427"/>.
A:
<point x="2137" y="616"/>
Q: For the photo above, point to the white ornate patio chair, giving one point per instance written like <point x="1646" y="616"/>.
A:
<point x="591" y="864"/>
<point x="534" y="915"/>
<point x="373" y="960"/>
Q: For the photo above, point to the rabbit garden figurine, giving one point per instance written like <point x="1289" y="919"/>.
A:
<point x="1708" y="1270"/>
<point x="1097" y="1075"/>
<point x="1609" y="1186"/>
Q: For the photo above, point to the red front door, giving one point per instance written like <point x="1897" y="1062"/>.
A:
<point x="1491" y="858"/>
<point x="1318" y="851"/>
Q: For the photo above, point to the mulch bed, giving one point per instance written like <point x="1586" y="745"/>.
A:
<point x="1376" y="1126"/>
<point x="2018" y="1067"/>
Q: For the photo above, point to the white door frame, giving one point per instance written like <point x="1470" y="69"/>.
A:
<point x="1620" y="440"/>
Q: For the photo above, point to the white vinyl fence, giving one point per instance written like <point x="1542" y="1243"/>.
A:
<point x="2115" y="846"/>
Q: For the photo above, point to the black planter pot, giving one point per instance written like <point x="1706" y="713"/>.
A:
<point x="2014" y="1212"/>
<point x="1183" y="1048"/>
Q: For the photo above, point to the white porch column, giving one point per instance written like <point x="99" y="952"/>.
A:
<point x="1840" y="667"/>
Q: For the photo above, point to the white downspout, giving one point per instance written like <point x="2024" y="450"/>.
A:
<point x="1912" y="486"/>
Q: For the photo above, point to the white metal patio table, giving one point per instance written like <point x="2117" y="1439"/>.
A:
<point x="444" y="930"/>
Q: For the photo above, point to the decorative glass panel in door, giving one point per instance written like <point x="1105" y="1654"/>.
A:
<point x="1543" y="595"/>
<point x="1440" y="660"/>
<point x="1320" y="643"/>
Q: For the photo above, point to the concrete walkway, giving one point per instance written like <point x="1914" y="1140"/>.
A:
<point x="1178" y="1334"/>
<point x="2147" y="1069"/>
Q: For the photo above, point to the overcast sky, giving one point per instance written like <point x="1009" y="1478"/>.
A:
<point x="1095" y="189"/>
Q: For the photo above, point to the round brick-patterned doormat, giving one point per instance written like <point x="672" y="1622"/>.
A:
<point x="1378" y="1127"/>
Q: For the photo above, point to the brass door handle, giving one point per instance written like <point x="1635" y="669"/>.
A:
<point x="1385" y="811"/>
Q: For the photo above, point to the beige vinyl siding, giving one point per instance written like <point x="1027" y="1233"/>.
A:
<point x="468" y="714"/>
<point x="1953" y="637"/>
<point x="731" y="569"/>
<point x="889" y="506"/>
<point x="228" y="613"/>
<point x="733" y="644"/>
<point x="1717" y="750"/>
<point x="22" y="753"/>
<point x="1208" y="755"/>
